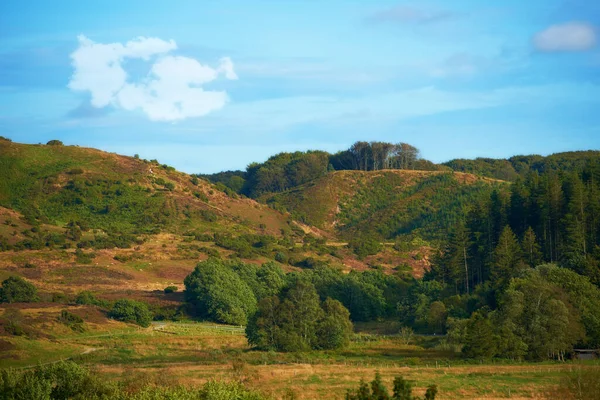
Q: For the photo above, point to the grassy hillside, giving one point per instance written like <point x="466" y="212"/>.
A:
<point x="384" y="203"/>
<point x="55" y="184"/>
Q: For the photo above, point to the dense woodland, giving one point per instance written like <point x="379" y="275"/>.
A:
<point x="518" y="266"/>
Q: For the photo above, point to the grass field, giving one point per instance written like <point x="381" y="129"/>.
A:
<point x="192" y="353"/>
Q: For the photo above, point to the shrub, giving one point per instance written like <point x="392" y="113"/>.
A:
<point x="281" y="257"/>
<point x="73" y="321"/>
<point x="208" y="215"/>
<point x="54" y="143"/>
<point x="17" y="290"/>
<point x="86" y="298"/>
<point x="171" y="289"/>
<point x="377" y="390"/>
<point x="363" y="247"/>
<point x="127" y="310"/>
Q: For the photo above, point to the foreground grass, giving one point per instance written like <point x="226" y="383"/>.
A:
<point x="194" y="353"/>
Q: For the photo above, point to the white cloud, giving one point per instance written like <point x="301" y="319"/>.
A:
<point x="170" y="92"/>
<point x="571" y="36"/>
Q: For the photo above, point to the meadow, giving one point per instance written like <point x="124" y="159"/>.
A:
<point x="192" y="353"/>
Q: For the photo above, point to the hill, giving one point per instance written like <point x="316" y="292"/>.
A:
<point x="384" y="203"/>
<point x="56" y="185"/>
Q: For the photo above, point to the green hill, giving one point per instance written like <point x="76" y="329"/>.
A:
<point x="57" y="185"/>
<point x="384" y="203"/>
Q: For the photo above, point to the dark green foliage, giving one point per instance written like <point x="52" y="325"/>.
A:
<point x="281" y="257"/>
<point x="67" y="380"/>
<point x="431" y="392"/>
<point x="17" y="290"/>
<point x="87" y="298"/>
<point x="335" y="328"/>
<point x="542" y="313"/>
<point x="517" y="166"/>
<point x="218" y="293"/>
<point x="170" y="289"/>
<point x="284" y="171"/>
<point x="234" y="180"/>
<point x="480" y="340"/>
<point x="127" y="310"/>
<point x="54" y="143"/>
<point x="63" y="380"/>
<point x="71" y="320"/>
<point x="246" y="246"/>
<point x="377" y="391"/>
<point x="297" y="321"/>
<point x="365" y="246"/>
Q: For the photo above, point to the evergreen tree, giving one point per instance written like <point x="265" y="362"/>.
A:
<point x="532" y="254"/>
<point x="480" y="340"/>
<point x="378" y="389"/>
<point x="507" y="259"/>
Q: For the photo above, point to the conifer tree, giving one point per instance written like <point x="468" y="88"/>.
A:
<point x="531" y="249"/>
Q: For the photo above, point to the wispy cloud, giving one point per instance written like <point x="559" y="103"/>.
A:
<point x="411" y="15"/>
<point x="571" y="36"/>
<point x="172" y="90"/>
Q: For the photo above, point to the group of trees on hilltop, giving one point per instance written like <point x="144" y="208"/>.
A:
<point x="519" y="166"/>
<point x="373" y="156"/>
<point x="287" y="170"/>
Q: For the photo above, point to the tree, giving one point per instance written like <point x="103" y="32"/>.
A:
<point x="54" y="143"/>
<point x="507" y="259"/>
<point x="127" y="310"/>
<point x="297" y="321"/>
<point x="406" y="333"/>
<point x="480" y="340"/>
<point x="402" y="389"/>
<point x="542" y="313"/>
<point x="436" y="317"/>
<point x="378" y="389"/>
<point x="335" y="328"/>
<point x="455" y="259"/>
<point x="17" y="290"/>
<point x="218" y="293"/>
<point x="531" y="248"/>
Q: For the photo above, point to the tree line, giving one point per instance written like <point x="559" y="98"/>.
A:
<point x="287" y="170"/>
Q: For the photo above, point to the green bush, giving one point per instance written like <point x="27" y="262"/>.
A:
<point x="281" y="257"/>
<point x="363" y="247"/>
<point x="127" y="310"/>
<point x="87" y="298"/>
<point x="71" y="320"/>
<point x="17" y="290"/>
<point x="171" y="289"/>
<point x="54" y="143"/>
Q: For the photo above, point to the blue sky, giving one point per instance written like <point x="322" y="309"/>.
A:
<point x="213" y="85"/>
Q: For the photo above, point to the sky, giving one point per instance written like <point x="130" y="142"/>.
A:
<point x="211" y="85"/>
